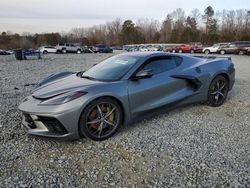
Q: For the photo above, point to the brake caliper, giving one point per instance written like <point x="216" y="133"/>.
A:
<point x="111" y="116"/>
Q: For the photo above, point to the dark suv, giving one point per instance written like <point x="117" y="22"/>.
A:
<point x="234" y="48"/>
<point x="102" y="48"/>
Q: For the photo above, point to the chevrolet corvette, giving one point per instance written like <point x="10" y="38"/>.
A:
<point x="115" y="92"/>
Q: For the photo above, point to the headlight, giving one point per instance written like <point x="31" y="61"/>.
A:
<point x="64" y="98"/>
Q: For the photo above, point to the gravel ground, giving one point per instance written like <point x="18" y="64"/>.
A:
<point x="193" y="146"/>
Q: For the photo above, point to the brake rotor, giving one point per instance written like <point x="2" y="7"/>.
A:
<point x="92" y="116"/>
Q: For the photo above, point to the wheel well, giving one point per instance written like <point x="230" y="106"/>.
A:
<point x="224" y="75"/>
<point x="111" y="97"/>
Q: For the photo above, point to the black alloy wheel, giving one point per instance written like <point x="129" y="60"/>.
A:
<point x="218" y="90"/>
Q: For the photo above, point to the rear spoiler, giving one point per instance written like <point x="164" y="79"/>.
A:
<point x="213" y="57"/>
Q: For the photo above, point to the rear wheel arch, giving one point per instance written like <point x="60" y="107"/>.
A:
<point x="225" y="75"/>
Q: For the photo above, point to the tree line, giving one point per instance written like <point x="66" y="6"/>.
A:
<point x="207" y="27"/>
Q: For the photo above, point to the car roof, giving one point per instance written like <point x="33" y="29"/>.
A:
<point x="144" y="54"/>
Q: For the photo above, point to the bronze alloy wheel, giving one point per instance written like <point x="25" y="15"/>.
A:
<point x="101" y="119"/>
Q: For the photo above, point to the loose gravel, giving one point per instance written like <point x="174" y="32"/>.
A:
<point x="192" y="146"/>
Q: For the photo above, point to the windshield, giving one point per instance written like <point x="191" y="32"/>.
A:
<point x="111" y="69"/>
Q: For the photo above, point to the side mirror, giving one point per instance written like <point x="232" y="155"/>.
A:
<point x="142" y="74"/>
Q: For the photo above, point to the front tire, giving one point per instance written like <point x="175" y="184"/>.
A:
<point x="101" y="119"/>
<point x="64" y="51"/>
<point x="78" y="51"/>
<point x="218" y="90"/>
<point x="207" y="52"/>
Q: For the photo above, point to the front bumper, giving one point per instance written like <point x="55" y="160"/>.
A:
<point x="54" y="121"/>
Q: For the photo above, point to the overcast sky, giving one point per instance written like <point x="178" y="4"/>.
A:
<point x="37" y="16"/>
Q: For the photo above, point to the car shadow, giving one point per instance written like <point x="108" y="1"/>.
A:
<point x="150" y="115"/>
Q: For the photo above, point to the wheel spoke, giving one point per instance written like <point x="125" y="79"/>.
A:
<point x="216" y="98"/>
<point x="109" y="123"/>
<point x="221" y="94"/>
<point x="214" y="93"/>
<point x="100" y="129"/>
<point x="222" y="87"/>
<point x="94" y="121"/>
<point x="99" y="110"/>
<point x="107" y="115"/>
<point x="218" y="85"/>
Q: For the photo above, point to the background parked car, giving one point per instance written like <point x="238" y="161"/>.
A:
<point x="102" y="48"/>
<point x="169" y="48"/>
<point x="68" y="48"/>
<point x="234" y="47"/>
<point x="47" y="49"/>
<point x="196" y="47"/>
<point x="116" y="47"/>
<point x="87" y="49"/>
<point x="248" y="50"/>
<point x="243" y="50"/>
<point x="4" y="52"/>
<point x="242" y="47"/>
<point x="183" y="48"/>
<point x="228" y="49"/>
<point x="214" y="48"/>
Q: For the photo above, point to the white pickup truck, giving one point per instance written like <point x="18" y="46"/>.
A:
<point x="214" y="48"/>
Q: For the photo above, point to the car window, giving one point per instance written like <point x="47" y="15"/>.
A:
<point x="111" y="69"/>
<point x="162" y="64"/>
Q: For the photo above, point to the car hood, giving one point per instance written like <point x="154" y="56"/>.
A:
<point x="63" y="85"/>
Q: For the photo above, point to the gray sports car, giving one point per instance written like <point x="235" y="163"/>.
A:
<point x="121" y="89"/>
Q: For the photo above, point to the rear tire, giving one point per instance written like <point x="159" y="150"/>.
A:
<point x="241" y="52"/>
<point x="218" y="90"/>
<point x="180" y="51"/>
<point x="192" y="51"/>
<point x="95" y="121"/>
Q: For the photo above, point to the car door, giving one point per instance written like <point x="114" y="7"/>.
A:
<point x="71" y="47"/>
<point x="158" y="90"/>
<point x="214" y="48"/>
<point x="232" y="48"/>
